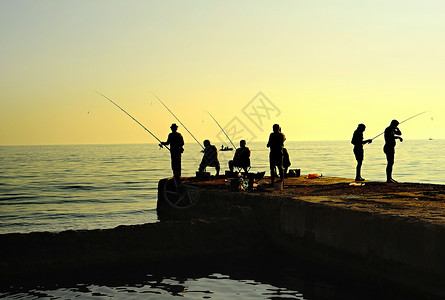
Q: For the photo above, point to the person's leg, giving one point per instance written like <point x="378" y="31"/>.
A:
<point x="389" y="170"/>
<point x="281" y="172"/>
<point x="231" y="165"/>
<point x="389" y="166"/>
<point x="176" y="165"/>
<point x="217" y="167"/>
<point x="273" y="173"/>
<point x="358" y="170"/>
<point x="173" y="164"/>
<point x="202" y="166"/>
<point x="272" y="168"/>
<point x="358" y="152"/>
<point x="280" y="165"/>
<point x="179" y="166"/>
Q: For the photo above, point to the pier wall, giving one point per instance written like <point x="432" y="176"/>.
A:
<point x="69" y="255"/>
<point x="382" y="247"/>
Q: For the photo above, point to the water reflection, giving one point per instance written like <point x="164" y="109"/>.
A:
<point x="274" y="279"/>
<point x="213" y="286"/>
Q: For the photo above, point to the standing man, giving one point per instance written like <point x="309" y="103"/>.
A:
<point x="276" y="144"/>
<point x="210" y="158"/>
<point x="392" y="132"/>
<point x="176" y="143"/>
<point x="358" y="142"/>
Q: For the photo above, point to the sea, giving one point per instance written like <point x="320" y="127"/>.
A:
<point x="73" y="187"/>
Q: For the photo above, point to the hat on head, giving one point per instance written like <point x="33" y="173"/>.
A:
<point x="174" y="125"/>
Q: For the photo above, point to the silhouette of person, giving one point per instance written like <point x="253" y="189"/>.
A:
<point x="276" y="144"/>
<point x="358" y="142"/>
<point x="210" y="157"/>
<point x="176" y="143"/>
<point x="286" y="161"/>
<point x="392" y="132"/>
<point x="241" y="158"/>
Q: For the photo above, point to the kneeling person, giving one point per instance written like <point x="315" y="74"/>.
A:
<point x="241" y="159"/>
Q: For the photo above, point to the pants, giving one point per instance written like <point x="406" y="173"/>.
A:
<point x="359" y="153"/>
<point x="276" y="160"/>
<point x="176" y="165"/>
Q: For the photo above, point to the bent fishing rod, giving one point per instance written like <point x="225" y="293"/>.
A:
<point x="132" y="118"/>
<point x="221" y="129"/>
<point x="178" y="120"/>
<point x="402" y="122"/>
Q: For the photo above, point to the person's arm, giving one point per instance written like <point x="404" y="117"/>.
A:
<point x="356" y="140"/>
<point x="398" y="133"/>
<point x="168" y="140"/>
<point x="237" y="153"/>
<point x="165" y="143"/>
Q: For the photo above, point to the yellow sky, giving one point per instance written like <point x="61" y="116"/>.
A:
<point x="322" y="67"/>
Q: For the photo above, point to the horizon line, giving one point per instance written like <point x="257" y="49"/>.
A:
<point x="153" y="143"/>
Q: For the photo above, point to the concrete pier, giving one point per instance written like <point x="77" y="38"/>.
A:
<point x="392" y="233"/>
<point x="388" y="233"/>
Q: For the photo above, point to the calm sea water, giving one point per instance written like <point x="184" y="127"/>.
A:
<point x="56" y="188"/>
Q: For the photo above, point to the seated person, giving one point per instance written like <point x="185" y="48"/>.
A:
<point x="210" y="158"/>
<point x="286" y="160"/>
<point x="241" y="159"/>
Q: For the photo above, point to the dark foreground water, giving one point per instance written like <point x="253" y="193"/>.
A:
<point x="272" y="278"/>
<point x="56" y="188"/>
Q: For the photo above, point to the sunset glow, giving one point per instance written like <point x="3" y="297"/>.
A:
<point x="324" y="65"/>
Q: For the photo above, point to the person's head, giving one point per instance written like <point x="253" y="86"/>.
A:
<point x="174" y="127"/>
<point x="394" y="123"/>
<point x="242" y="143"/>
<point x="276" y="128"/>
<point x="206" y="143"/>
<point x="361" y="127"/>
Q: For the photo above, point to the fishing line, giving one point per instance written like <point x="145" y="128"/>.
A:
<point x="132" y="118"/>
<point x="178" y="120"/>
<point x="403" y="122"/>
<point x="221" y="129"/>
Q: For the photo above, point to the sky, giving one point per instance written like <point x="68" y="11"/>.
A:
<point x="317" y="68"/>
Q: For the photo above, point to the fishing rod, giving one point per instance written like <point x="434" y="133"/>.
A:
<point x="221" y="129"/>
<point x="177" y="119"/>
<point x="403" y="122"/>
<point x="132" y="118"/>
